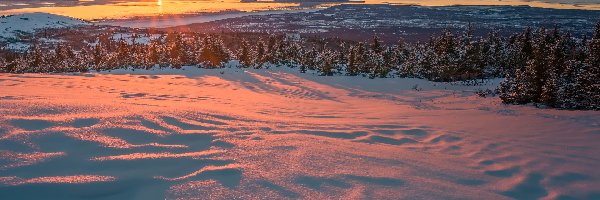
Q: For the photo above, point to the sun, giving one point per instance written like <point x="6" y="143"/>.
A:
<point x="159" y="2"/>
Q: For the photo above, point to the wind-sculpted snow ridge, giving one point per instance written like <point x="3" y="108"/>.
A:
<point x="277" y="134"/>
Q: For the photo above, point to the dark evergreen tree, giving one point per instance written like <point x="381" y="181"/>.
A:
<point x="36" y="59"/>
<point x="213" y="53"/>
<point x="153" y="57"/>
<point x="326" y="63"/>
<point x="259" y="59"/>
<point x="494" y="53"/>
<point x="354" y="60"/>
<point x="552" y="83"/>
<point x="309" y="59"/>
<point x="376" y="45"/>
<point x="590" y="76"/>
<point x="245" y="54"/>
<point x="402" y="53"/>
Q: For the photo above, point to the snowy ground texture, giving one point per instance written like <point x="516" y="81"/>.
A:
<point x="278" y="134"/>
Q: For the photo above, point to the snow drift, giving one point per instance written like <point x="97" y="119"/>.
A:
<point x="278" y="134"/>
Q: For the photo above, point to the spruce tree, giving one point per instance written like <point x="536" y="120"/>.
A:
<point x="376" y="45"/>
<point x="153" y="54"/>
<point x="494" y="54"/>
<point x="402" y="53"/>
<point x="3" y="65"/>
<point x="552" y="83"/>
<point x="301" y="61"/>
<point x="260" y="54"/>
<point x="523" y="89"/>
<point x="326" y="63"/>
<point x="244" y="55"/>
<point x="410" y="66"/>
<point x="310" y="59"/>
<point x="214" y="53"/>
<point x="36" y="59"/>
<point x="590" y="77"/>
<point x="353" y="67"/>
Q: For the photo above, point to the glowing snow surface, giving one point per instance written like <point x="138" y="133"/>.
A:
<point x="278" y="134"/>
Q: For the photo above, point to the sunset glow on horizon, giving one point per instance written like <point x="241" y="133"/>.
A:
<point x="143" y="8"/>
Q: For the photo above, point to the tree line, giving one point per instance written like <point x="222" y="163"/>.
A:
<point x="543" y="66"/>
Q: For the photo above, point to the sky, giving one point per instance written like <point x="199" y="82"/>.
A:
<point x="117" y="9"/>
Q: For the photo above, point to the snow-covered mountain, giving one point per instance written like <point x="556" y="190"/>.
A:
<point x="12" y="25"/>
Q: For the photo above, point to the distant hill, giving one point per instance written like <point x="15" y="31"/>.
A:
<point x="13" y="25"/>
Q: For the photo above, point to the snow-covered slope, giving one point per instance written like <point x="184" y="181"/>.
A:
<point x="12" y="25"/>
<point x="279" y="134"/>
